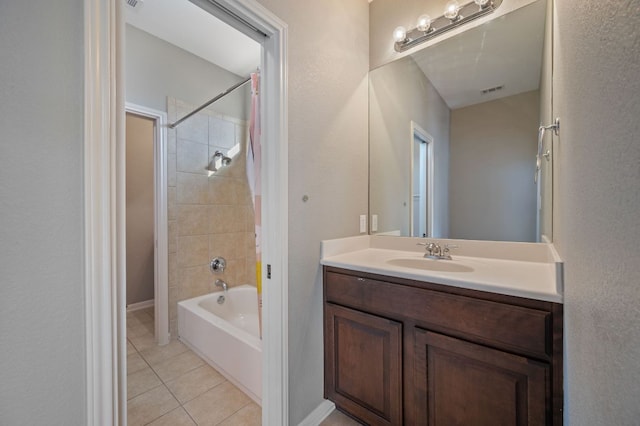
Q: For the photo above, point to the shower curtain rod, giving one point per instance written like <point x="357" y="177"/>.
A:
<point x="203" y="106"/>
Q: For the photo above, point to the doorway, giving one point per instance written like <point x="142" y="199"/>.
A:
<point x="421" y="192"/>
<point x="104" y="223"/>
<point x="146" y="216"/>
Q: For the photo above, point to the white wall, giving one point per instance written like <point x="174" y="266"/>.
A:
<point x="140" y="208"/>
<point x="42" y="379"/>
<point x="156" y="69"/>
<point x="492" y="157"/>
<point x="400" y="93"/>
<point x="597" y="207"/>
<point x="327" y="84"/>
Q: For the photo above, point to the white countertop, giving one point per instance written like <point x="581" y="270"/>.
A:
<point x="539" y="278"/>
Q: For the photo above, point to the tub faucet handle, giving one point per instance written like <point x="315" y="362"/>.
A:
<point x="217" y="264"/>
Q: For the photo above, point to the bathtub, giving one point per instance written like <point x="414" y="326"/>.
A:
<point x="226" y="335"/>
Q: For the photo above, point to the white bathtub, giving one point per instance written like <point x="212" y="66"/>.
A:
<point x="226" y="336"/>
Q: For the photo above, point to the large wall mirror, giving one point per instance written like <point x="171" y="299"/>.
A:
<point x="453" y="131"/>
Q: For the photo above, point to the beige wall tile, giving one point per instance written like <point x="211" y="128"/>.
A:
<point x="230" y="245"/>
<point x="171" y="170"/>
<point x="222" y="133"/>
<point x="172" y="236"/>
<point x="195" y="128"/>
<point x="173" y="303"/>
<point x="250" y="218"/>
<point x="194" y="281"/>
<point x="222" y="190"/>
<point x="193" y="250"/>
<point x="149" y="406"/>
<point x="192" y="157"/>
<point x="193" y="219"/>
<point x="173" y="328"/>
<point x="216" y="404"/>
<point x="173" y="269"/>
<point x="224" y="219"/>
<point x="171" y="141"/>
<point x="171" y="202"/>
<point x="192" y="189"/>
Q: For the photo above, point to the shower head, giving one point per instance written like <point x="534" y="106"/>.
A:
<point x="217" y="161"/>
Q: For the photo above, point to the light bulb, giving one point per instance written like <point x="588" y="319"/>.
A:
<point x="481" y="3"/>
<point x="400" y="34"/>
<point x="451" y="10"/>
<point x="424" y="23"/>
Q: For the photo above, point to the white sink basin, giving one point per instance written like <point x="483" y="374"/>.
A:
<point x="430" y="265"/>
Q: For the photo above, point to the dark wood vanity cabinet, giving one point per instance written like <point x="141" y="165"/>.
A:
<point x="407" y="352"/>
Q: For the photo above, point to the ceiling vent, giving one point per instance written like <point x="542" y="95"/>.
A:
<point x="135" y="4"/>
<point x="492" y="89"/>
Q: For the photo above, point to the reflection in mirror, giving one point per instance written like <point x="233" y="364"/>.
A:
<point x="453" y="134"/>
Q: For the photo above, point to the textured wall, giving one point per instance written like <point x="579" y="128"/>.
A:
<point x="492" y="152"/>
<point x="157" y="69"/>
<point x="42" y="373"/>
<point x="327" y="84"/>
<point x="597" y="96"/>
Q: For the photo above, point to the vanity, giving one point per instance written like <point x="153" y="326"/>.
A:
<point x="469" y="341"/>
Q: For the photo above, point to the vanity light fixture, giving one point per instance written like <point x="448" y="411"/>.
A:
<point x="454" y="15"/>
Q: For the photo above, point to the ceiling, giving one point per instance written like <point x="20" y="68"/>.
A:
<point x="187" y="26"/>
<point x="506" y="51"/>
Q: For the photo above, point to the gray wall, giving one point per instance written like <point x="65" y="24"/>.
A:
<point x="156" y="69"/>
<point x="491" y="192"/>
<point x="140" y="208"/>
<point x="327" y="84"/>
<point x="400" y="93"/>
<point x="597" y="207"/>
<point x="42" y="365"/>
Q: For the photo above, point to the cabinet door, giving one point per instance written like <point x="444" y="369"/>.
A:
<point x="363" y="365"/>
<point x="461" y="383"/>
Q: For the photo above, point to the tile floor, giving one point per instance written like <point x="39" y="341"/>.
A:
<point x="171" y="386"/>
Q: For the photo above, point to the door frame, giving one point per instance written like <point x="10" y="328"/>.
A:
<point x="104" y="213"/>
<point x="420" y="133"/>
<point x="160" y="227"/>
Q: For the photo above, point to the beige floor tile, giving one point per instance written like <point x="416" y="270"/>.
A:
<point x="177" y="366"/>
<point x="135" y="363"/>
<point x="141" y="381"/>
<point x="158" y="354"/>
<point x="216" y="405"/>
<point x="143" y="342"/>
<point x="177" y="417"/>
<point x="339" y="419"/>
<point x="130" y="348"/>
<point x="194" y="383"/>
<point x="140" y="329"/>
<point x="150" y="405"/>
<point x="250" y="415"/>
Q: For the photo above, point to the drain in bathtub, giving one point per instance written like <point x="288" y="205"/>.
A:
<point x="220" y="299"/>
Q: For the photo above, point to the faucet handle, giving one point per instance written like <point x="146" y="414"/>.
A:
<point x="447" y="248"/>
<point x="217" y="264"/>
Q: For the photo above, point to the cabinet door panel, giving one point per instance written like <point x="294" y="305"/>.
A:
<point x="363" y="365"/>
<point x="462" y="383"/>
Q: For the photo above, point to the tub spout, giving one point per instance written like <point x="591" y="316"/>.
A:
<point x="222" y="284"/>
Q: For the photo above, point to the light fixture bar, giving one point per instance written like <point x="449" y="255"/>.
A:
<point x="440" y="25"/>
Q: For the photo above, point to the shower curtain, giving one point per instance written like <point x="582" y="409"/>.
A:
<point x="254" y="159"/>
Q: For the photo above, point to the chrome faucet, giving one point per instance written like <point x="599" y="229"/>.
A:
<point x="221" y="284"/>
<point x="435" y="251"/>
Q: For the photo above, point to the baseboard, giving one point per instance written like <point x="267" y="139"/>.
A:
<point x="320" y="413"/>
<point x="140" y="305"/>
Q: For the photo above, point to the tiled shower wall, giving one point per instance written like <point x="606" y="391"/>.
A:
<point x="209" y="216"/>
